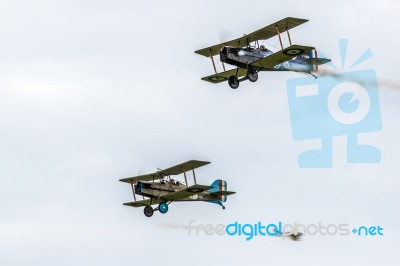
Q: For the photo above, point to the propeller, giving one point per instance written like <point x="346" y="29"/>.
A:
<point x="139" y="172"/>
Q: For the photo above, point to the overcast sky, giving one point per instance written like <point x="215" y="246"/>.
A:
<point x="94" y="91"/>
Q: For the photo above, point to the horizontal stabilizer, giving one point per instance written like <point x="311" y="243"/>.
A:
<point x="224" y="76"/>
<point x="316" y="61"/>
<point x="222" y="193"/>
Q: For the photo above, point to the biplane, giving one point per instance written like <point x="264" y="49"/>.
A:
<point x="249" y="57"/>
<point x="160" y="189"/>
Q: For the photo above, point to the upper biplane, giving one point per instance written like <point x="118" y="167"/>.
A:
<point x="250" y="57"/>
<point x="159" y="188"/>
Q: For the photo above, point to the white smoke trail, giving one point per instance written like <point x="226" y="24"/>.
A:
<point x="382" y="83"/>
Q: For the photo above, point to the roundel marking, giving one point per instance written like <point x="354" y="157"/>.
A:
<point x="217" y="79"/>
<point x="195" y="190"/>
<point x="293" y="52"/>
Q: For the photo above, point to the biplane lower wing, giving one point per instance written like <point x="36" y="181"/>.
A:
<point x="142" y="203"/>
<point x="280" y="57"/>
<point x="224" y="76"/>
<point x="178" y="196"/>
<point x="187" y="192"/>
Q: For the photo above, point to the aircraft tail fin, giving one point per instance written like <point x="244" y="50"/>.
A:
<point x="219" y="189"/>
<point x="314" y="60"/>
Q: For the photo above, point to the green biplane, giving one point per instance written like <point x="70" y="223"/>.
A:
<point x="249" y="57"/>
<point x="160" y="189"/>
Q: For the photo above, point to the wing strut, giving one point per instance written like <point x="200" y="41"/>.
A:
<point x="133" y="191"/>
<point x="184" y="173"/>
<point x="279" y="35"/>
<point x="212" y="60"/>
<point x="288" y="35"/>
<point x="194" y="177"/>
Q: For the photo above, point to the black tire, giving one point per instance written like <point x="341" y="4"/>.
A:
<point x="148" y="211"/>
<point x="252" y="76"/>
<point x="163" y="207"/>
<point x="233" y="82"/>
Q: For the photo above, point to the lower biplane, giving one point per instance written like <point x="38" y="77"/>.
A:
<point x="160" y="189"/>
<point x="249" y="57"/>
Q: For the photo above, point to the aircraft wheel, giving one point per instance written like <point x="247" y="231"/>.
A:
<point x="148" y="211"/>
<point x="233" y="82"/>
<point x="252" y="76"/>
<point x="163" y="207"/>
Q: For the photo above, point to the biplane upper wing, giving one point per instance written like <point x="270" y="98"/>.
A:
<point x="261" y="34"/>
<point x="147" y="177"/>
<point x="186" y="192"/>
<point x="281" y="56"/>
<point x="223" y="76"/>
<point x="183" y="167"/>
<point x="174" y="170"/>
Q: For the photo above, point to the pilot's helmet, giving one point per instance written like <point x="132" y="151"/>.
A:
<point x="262" y="48"/>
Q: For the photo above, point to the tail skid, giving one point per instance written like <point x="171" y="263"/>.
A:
<point x="220" y="192"/>
<point x="222" y="205"/>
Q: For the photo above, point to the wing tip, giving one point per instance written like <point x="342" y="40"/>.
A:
<point x="202" y="163"/>
<point x="303" y="19"/>
<point x="203" y="51"/>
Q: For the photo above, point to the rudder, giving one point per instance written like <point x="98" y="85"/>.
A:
<point x="218" y="186"/>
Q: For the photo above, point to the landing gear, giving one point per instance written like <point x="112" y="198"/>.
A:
<point x="252" y="76"/>
<point x="148" y="211"/>
<point x="163" y="207"/>
<point x="233" y="82"/>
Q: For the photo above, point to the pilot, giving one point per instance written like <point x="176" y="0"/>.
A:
<point x="262" y="48"/>
<point x="174" y="182"/>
